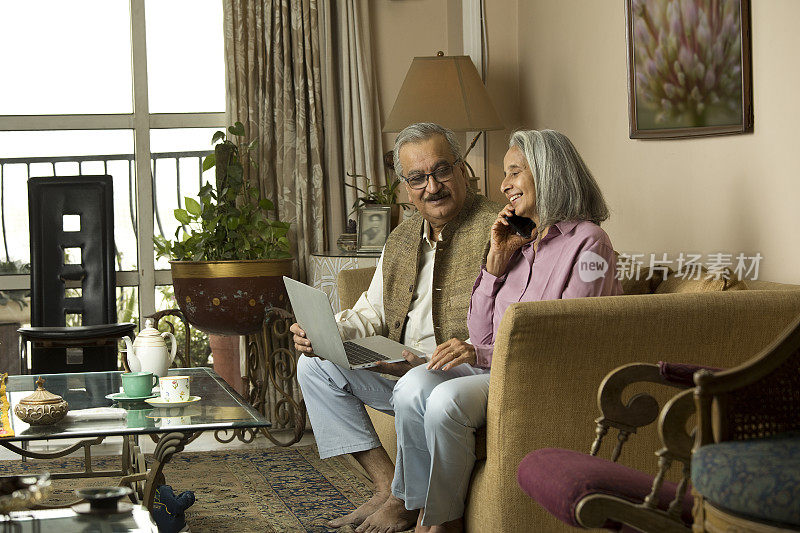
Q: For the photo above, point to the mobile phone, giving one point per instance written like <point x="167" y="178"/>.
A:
<point x="521" y="225"/>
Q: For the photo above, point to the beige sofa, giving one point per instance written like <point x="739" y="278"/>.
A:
<point x="550" y="357"/>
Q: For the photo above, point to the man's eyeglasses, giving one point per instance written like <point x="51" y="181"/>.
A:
<point x="442" y="174"/>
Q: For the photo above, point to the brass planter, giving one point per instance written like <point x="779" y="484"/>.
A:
<point x="229" y="297"/>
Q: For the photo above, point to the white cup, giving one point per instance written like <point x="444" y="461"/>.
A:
<point x="174" y="388"/>
<point x="172" y="421"/>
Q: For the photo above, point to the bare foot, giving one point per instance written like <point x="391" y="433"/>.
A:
<point x="364" y="510"/>
<point x="391" y="517"/>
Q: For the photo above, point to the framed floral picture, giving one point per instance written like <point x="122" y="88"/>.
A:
<point x="689" y="70"/>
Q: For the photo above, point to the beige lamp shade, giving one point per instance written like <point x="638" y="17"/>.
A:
<point x="446" y="90"/>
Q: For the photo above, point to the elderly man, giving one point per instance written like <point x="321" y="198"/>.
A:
<point x="419" y="296"/>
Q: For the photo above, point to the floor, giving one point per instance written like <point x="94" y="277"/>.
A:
<point x="113" y="445"/>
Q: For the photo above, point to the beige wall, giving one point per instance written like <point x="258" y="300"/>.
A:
<point x="502" y="82"/>
<point x="404" y="29"/>
<point x="723" y="194"/>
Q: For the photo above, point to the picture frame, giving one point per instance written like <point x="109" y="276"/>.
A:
<point x="374" y="225"/>
<point x="689" y="68"/>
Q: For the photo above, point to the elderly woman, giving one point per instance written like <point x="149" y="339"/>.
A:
<point x="567" y="256"/>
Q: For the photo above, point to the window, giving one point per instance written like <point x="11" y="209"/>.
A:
<point x="134" y="90"/>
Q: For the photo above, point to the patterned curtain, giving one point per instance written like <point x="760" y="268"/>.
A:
<point x="350" y="108"/>
<point x="272" y="57"/>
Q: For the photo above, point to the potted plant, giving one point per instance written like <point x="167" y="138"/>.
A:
<point x="379" y="195"/>
<point x="17" y="301"/>
<point x="228" y="255"/>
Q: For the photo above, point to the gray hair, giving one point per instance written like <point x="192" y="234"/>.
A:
<point x="565" y="188"/>
<point x="419" y="132"/>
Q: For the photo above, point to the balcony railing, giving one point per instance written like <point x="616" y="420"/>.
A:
<point x="104" y="159"/>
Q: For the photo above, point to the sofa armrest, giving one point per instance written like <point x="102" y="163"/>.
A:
<point x="549" y="357"/>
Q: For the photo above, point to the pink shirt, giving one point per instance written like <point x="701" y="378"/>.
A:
<point x="575" y="259"/>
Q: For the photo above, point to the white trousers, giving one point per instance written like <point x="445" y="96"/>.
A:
<point x="436" y="415"/>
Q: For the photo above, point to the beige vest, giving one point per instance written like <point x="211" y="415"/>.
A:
<point x="459" y="256"/>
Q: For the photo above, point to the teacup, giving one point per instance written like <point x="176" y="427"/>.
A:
<point x="173" y="421"/>
<point x="174" y="388"/>
<point x="138" y="384"/>
<point x="138" y="419"/>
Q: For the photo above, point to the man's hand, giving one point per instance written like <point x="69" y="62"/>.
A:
<point x="452" y="353"/>
<point x="301" y="342"/>
<point x="400" y="368"/>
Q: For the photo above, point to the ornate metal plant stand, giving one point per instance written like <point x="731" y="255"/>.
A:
<point x="271" y="381"/>
<point x="270" y="378"/>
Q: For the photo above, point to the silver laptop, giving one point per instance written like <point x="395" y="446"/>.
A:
<point x="314" y="314"/>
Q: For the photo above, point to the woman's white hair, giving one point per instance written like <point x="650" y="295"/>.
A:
<point x="419" y="132"/>
<point x="565" y="188"/>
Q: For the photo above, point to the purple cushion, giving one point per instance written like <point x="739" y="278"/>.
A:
<point x="559" y="479"/>
<point x="681" y="373"/>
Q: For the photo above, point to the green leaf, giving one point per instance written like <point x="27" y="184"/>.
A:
<point x="210" y="161"/>
<point x="266" y="204"/>
<point x="182" y="216"/>
<point x="193" y="206"/>
<point x="253" y="144"/>
<point x="217" y="136"/>
<point x="237" y="129"/>
<point x="233" y="222"/>
<point x="279" y="231"/>
<point x="235" y="171"/>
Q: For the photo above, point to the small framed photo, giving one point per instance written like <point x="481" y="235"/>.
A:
<point x="374" y="224"/>
<point x="689" y="68"/>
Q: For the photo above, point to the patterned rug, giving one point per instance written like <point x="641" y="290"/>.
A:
<point x="275" y="489"/>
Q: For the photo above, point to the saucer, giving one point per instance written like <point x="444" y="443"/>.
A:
<point x="86" y="508"/>
<point x="122" y="397"/>
<point x="158" y="402"/>
<point x="103" y="500"/>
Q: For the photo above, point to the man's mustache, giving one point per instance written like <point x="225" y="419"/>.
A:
<point x="437" y="196"/>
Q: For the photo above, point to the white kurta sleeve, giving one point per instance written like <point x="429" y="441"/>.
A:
<point x="366" y="318"/>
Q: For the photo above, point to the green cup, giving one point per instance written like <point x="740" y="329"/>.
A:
<point x="138" y="384"/>
<point x="137" y="419"/>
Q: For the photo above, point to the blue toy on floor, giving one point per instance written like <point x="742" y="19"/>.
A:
<point x="169" y="510"/>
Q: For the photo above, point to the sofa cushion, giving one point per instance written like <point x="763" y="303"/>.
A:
<point x="723" y="280"/>
<point x="559" y="479"/>
<point x="637" y="281"/>
<point x="758" y="478"/>
<point x="642" y="282"/>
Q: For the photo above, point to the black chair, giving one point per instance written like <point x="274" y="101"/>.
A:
<point x="72" y="273"/>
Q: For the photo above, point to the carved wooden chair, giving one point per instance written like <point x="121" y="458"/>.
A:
<point x="587" y="491"/>
<point x="746" y="462"/>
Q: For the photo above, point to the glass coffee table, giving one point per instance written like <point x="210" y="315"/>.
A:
<point x="68" y="521"/>
<point x="219" y="408"/>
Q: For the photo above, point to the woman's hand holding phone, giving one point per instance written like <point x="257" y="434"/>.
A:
<point x="504" y="243"/>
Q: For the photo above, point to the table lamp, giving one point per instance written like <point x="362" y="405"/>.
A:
<point x="446" y="90"/>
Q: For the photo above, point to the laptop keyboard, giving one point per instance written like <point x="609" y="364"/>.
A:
<point x="358" y="355"/>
